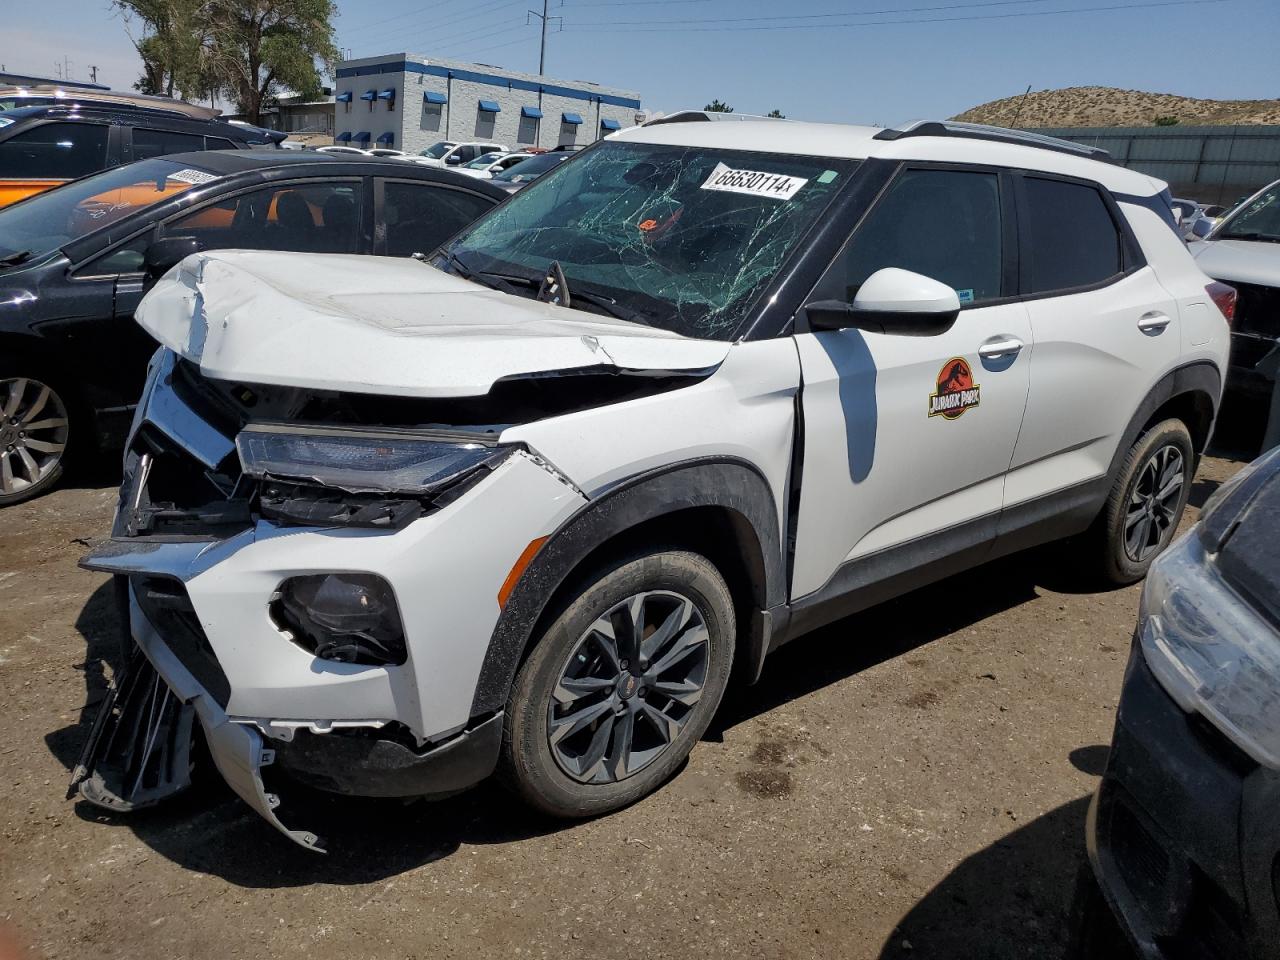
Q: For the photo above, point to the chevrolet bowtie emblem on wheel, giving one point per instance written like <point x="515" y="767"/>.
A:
<point x="956" y="390"/>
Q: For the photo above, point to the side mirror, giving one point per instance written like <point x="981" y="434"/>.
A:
<point x="892" y="301"/>
<point x="164" y="254"/>
<point x="453" y="160"/>
<point x="1202" y="227"/>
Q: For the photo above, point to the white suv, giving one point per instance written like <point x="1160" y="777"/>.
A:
<point x="448" y="153"/>
<point x="394" y="525"/>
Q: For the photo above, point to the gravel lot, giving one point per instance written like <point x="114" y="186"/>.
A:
<point x="908" y="782"/>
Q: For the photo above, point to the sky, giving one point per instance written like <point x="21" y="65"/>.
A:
<point x="852" y="61"/>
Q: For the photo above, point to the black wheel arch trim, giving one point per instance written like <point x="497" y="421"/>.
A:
<point x="728" y="483"/>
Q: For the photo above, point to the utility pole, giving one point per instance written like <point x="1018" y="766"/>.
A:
<point x="545" y="18"/>
<point x="1017" y="113"/>
<point x="93" y="73"/>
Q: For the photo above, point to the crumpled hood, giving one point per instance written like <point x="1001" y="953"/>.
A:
<point x="385" y="325"/>
<point x="1244" y="261"/>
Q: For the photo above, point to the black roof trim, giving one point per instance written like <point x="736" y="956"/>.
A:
<point x="978" y="131"/>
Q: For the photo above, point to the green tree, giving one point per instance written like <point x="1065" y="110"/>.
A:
<point x="166" y="35"/>
<point x="1166" y="121"/>
<point x="715" y="106"/>
<point x="776" y="114"/>
<point x="256" y="47"/>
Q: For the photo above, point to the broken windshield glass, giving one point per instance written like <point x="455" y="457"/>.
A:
<point x="684" y="238"/>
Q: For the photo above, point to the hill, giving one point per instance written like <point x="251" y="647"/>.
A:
<point x="1112" y="107"/>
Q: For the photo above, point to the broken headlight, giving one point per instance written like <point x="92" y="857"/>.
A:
<point x="363" y="461"/>
<point x="1212" y="653"/>
<point x="347" y="617"/>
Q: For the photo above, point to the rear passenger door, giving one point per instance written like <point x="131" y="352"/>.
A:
<point x="415" y="216"/>
<point x="893" y="478"/>
<point x="1105" y="332"/>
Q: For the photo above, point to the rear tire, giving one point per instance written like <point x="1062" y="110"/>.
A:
<point x="603" y="712"/>
<point x="1146" y="502"/>
<point x="35" y="430"/>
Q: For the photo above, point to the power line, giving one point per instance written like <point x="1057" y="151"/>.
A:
<point x="489" y="9"/>
<point x="612" y="28"/>
<point x="469" y="35"/>
<point x="817" y="16"/>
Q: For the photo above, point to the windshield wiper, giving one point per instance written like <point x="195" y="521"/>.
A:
<point x="13" y="259"/>
<point x="1252" y="235"/>
<point x="505" y="281"/>
<point x="492" y="281"/>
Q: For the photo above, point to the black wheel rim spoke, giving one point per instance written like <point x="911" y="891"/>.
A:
<point x="628" y="687"/>
<point x="1152" y="508"/>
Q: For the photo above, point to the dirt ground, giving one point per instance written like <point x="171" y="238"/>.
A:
<point x="909" y="782"/>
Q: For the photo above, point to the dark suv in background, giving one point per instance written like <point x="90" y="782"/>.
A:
<point x="42" y="147"/>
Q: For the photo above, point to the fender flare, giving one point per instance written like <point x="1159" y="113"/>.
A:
<point x="729" y="483"/>
<point x="1201" y="376"/>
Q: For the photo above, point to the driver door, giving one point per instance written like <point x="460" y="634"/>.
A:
<point x="907" y="440"/>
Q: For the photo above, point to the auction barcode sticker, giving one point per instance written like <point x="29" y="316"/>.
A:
<point x="192" y="176"/>
<point x="754" y="182"/>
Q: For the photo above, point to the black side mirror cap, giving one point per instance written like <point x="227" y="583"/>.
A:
<point x="838" y="315"/>
<point x="164" y="254"/>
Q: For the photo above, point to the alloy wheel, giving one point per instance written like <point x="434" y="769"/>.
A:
<point x="629" y="687"/>
<point x="1153" y="505"/>
<point x="33" y="433"/>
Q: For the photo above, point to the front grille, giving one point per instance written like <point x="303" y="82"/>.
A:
<point x="1142" y="861"/>
<point x="167" y="607"/>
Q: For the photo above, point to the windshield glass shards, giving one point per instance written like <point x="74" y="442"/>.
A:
<point x="683" y="238"/>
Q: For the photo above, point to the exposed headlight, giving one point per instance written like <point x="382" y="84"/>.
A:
<point x="1211" y="651"/>
<point x="362" y="461"/>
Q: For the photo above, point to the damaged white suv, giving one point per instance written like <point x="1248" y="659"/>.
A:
<point x="390" y="525"/>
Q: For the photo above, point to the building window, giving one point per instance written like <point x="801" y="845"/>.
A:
<point x="432" y="117"/>
<point x="528" y="132"/>
<point x="568" y="133"/>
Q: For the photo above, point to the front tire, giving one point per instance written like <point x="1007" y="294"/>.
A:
<point x="621" y="686"/>
<point x="34" y="431"/>
<point x="1146" y="502"/>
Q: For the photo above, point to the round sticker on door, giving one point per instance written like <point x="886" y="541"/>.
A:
<point x="956" y="391"/>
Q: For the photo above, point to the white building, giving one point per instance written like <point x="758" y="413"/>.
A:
<point x="410" y="102"/>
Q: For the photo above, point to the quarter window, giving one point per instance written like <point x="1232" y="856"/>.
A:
<point x="944" y="224"/>
<point x="157" y="143"/>
<point x="54" y="151"/>
<point x="1071" y="240"/>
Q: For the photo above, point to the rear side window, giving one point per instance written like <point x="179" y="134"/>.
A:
<point x="1071" y="240"/>
<point x="420" y="217"/>
<point x="156" y="143"/>
<point x="944" y="224"/>
<point x="306" y="218"/>
<point x="54" y="151"/>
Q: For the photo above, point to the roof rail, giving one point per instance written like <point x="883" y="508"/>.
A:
<point x="981" y="131"/>
<point x="698" y="116"/>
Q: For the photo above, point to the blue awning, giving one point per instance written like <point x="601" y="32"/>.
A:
<point x="386" y="138"/>
<point x="363" y="136"/>
<point x="489" y="106"/>
<point x="344" y="137"/>
<point x="431" y="96"/>
<point x="343" y="97"/>
<point x="533" y="112"/>
<point x="369" y="95"/>
<point x="573" y="118"/>
<point x="387" y="94"/>
<point x="610" y="125"/>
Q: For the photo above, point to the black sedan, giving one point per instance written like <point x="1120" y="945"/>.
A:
<point x="1184" y="832"/>
<point x="75" y="261"/>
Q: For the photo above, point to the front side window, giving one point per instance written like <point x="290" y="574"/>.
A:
<point x="1257" y="219"/>
<point x="1071" y="239"/>
<point x="681" y="238"/>
<point x="309" y="218"/>
<point x="54" y="151"/>
<point x="156" y="143"/>
<point x="944" y="224"/>
<point x="419" y="217"/>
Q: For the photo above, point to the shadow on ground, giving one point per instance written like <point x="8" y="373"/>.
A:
<point x="1012" y="899"/>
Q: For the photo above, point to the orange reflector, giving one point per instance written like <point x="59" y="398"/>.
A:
<point x="522" y="562"/>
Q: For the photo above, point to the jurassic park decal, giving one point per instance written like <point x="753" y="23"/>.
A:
<point x="956" y="391"/>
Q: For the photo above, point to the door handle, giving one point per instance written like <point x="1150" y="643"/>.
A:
<point x="1000" y="348"/>
<point x="1154" y="322"/>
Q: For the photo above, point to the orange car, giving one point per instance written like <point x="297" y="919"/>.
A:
<point x="44" y="146"/>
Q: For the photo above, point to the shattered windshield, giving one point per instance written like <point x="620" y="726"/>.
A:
<point x="1257" y="220"/>
<point x="682" y="238"/>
